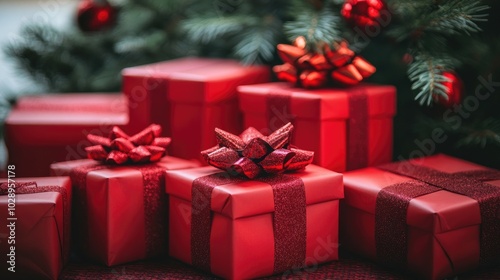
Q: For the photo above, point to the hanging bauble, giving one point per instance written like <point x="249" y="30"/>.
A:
<point x="364" y="14"/>
<point x="95" y="15"/>
<point x="454" y="90"/>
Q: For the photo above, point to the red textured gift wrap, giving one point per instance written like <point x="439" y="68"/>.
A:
<point x="245" y="233"/>
<point x="347" y="128"/>
<point x="45" y="129"/>
<point x="41" y="229"/>
<point x="188" y="97"/>
<point x="437" y="216"/>
<point x="120" y="210"/>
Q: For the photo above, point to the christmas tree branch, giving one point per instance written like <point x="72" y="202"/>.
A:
<point x="426" y="74"/>
<point x="316" y="26"/>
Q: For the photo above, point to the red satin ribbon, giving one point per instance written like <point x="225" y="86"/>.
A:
<point x="154" y="201"/>
<point x="289" y="219"/>
<point x="393" y="201"/>
<point x="313" y="70"/>
<point x="119" y="148"/>
<point x="32" y="187"/>
<point x="252" y="154"/>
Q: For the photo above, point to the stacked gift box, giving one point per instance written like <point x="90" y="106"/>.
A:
<point x="272" y="197"/>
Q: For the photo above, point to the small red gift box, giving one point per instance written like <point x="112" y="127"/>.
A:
<point x="424" y="215"/>
<point x="347" y="128"/>
<point x="188" y="97"/>
<point x="45" y="129"/>
<point x="253" y="228"/>
<point x="35" y="241"/>
<point x="120" y="210"/>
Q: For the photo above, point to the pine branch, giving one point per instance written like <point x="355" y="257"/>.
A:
<point x="316" y="26"/>
<point x="457" y="16"/>
<point x="207" y="29"/>
<point x="258" y="44"/>
<point x="482" y="133"/>
<point x="426" y="74"/>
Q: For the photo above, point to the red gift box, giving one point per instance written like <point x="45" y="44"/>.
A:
<point x="241" y="228"/>
<point x="40" y="231"/>
<point x="347" y="128"/>
<point x="45" y="129"/>
<point x="415" y="215"/>
<point x="120" y="210"/>
<point x="188" y="97"/>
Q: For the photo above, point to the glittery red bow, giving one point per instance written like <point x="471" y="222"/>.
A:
<point x="252" y="153"/>
<point x="119" y="148"/>
<point x="313" y="70"/>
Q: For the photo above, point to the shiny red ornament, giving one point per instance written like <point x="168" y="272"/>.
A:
<point x="339" y="65"/>
<point x="363" y="13"/>
<point x="454" y="90"/>
<point x="95" y="15"/>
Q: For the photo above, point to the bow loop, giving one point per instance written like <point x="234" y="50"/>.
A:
<point x="119" y="148"/>
<point x="252" y="154"/>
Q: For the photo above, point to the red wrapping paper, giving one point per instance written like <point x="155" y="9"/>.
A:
<point x="242" y="234"/>
<point x="323" y="120"/>
<point x="112" y="223"/>
<point x="188" y="97"/>
<point x="42" y="130"/>
<point x="40" y="251"/>
<point x="443" y="227"/>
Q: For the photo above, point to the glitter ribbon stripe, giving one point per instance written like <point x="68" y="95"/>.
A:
<point x="357" y="131"/>
<point x="465" y="183"/>
<point x="278" y="108"/>
<point x="289" y="220"/>
<point x="154" y="202"/>
<point x="32" y="187"/>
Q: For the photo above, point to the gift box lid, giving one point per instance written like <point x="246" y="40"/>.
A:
<point x="199" y="80"/>
<point x="32" y="207"/>
<point x="437" y="212"/>
<point x="52" y="128"/>
<point x="214" y="83"/>
<point x="164" y="69"/>
<point x="250" y="198"/>
<point x="81" y="102"/>
<point x="318" y="104"/>
<point x="64" y="168"/>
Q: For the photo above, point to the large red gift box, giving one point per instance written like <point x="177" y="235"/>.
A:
<point x="248" y="228"/>
<point x="188" y="97"/>
<point x="119" y="210"/>
<point x="34" y="240"/>
<point x="45" y="129"/>
<point x="347" y="128"/>
<point x="437" y="216"/>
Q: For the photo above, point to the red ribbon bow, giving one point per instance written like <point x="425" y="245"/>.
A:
<point x="314" y="70"/>
<point x="119" y="148"/>
<point x="252" y="153"/>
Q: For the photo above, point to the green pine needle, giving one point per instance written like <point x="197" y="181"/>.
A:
<point x="316" y="26"/>
<point x="205" y="30"/>
<point x="482" y="134"/>
<point x="426" y="74"/>
<point x="457" y="16"/>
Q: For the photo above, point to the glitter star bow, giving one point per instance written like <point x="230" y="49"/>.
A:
<point x="314" y="70"/>
<point x="252" y="154"/>
<point x="119" y="148"/>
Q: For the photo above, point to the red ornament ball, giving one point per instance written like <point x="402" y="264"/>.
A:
<point x="363" y="13"/>
<point x="454" y="90"/>
<point x="95" y="15"/>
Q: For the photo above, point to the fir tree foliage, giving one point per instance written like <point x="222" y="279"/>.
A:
<point x="439" y="36"/>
